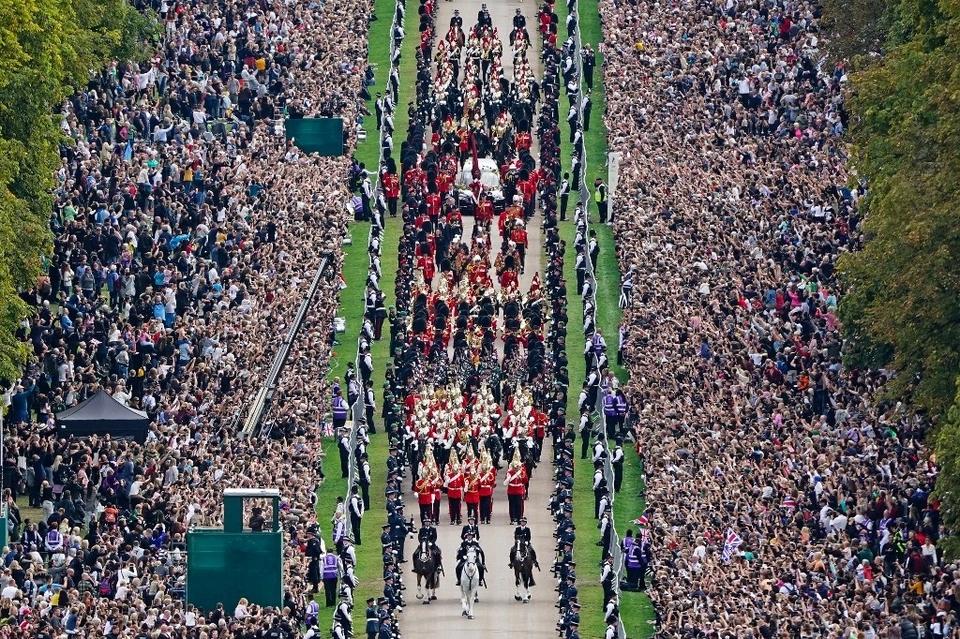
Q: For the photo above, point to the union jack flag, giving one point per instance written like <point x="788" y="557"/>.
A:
<point x="730" y="544"/>
<point x="789" y="503"/>
<point x="642" y="521"/>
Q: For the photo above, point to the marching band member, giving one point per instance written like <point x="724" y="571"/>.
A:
<point x="487" y="477"/>
<point x="454" y="481"/>
<point x="516" y="483"/>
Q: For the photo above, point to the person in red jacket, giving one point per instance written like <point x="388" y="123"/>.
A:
<point x="453" y="481"/>
<point x="484" y="211"/>
<point x="424" y="488"/>
<point x="433" y="205"/>
<point x="487" y="476"/>
<point x="523" y="141"/>
<point x="519" y="236"/>
<point x="471" y="491"/>
<point x="425" y="264"/>
<point x="391" y="190"/>
<point x="516" y="483"/>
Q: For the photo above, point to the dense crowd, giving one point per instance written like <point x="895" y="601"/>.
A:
<point x="787" y="497"/>
<point x="186" y="233"/>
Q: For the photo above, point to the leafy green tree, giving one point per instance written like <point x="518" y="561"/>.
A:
<point x="902" y="309"/>
<point x="50" y="47"/>
<point x="948" y="480"/>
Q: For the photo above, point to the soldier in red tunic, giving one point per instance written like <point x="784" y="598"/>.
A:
<point x="516" y="483"/>
<point x="454" y="481"/>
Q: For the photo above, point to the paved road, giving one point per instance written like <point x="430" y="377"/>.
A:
<point x="497" y="614"/>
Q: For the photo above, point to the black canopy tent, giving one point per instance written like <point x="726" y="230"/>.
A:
<point x="103" y="415"/>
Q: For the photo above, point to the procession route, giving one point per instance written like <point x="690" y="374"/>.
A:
<point x="497" y="614"/>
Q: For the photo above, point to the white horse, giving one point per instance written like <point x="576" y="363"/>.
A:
<point x="469" y="583"/>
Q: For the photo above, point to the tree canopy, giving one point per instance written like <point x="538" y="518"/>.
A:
<point x="50" y="48"/>
<point x="902" y="308"/>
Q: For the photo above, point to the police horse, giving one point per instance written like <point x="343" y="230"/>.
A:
<point x="469" y="583"/>
<point x="521" y="558"/>
<point x="427" y="564"/>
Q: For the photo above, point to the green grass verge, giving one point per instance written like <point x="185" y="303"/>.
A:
<point x="369" y="555"/>
<point x="636" y="609"/>
<point x="369" y="558"/>
<point x="585" y="551"/>
<point x="378" y="56"/>
<point x="595" y="144"/>
<point x="355" y="264"/>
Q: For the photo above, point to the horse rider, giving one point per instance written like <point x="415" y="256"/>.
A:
<point x="468" y="544"/>
<point x="522" y="535"/>
<point x="471" y="527"/>
<point x="522" y="531"/>
<point x="427" y="535"/>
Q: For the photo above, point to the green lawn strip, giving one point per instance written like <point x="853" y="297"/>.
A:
<point x="595" y="144"/>
<point x="636" y="609"/>
<point x="585" y="551"/>
<point x="356" y="263"/>
<point x="609" y="314"/>
<point x="369" y="555"/>
<point x="355" y="269"/>
<point x="378" y="55"/>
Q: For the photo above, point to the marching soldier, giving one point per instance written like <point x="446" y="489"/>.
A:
<point x="453" y="481"/>
<point x="425" y="496"/>
<point x="487" y="480"/>
<point x="516" y="483"/>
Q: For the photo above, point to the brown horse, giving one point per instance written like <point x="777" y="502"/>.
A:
<point x="521" y="558"/>
<point x="427" y="564"/>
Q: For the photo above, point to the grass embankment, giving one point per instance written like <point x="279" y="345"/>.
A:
<point x="636" y="609"/>
<point x="369" y="557"/>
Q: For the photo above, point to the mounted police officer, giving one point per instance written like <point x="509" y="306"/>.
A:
<point x="427" y="536"/>
<point x="468" y="544"/>
<point x="522" y="535"/>
<point x="472" y="528"/>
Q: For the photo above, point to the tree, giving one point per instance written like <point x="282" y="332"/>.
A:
<point x="947" y="444"/>
<point x="50" y="47"/>
<point x="902" y="309"/>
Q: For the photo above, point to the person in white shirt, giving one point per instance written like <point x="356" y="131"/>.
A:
<point x="10" y="591"/>
<point x="241" y="611"/>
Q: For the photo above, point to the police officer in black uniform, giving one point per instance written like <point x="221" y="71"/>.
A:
<point x="483" y="17"/>
<point x="372" y="619"/>
<point x="342" y="614"/>
<point x="522" y="531"/>
<point x="465" y="546"/>
<point x="427" y="534"/>
<point x="470" y="527"/>
<point x="522" y="534"/>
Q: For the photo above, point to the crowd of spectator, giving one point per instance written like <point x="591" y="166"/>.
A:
<point x="787" y="497"/>
<point x="187" y="230"/>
